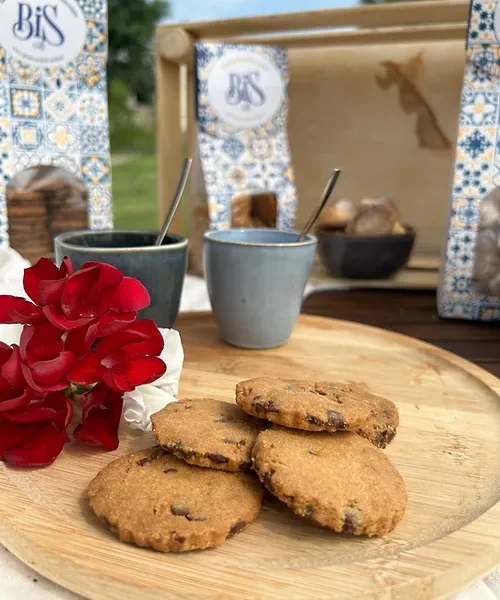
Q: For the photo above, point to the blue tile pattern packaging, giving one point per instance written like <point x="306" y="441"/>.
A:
<point x="53" y="99"/>
<point x="242" y="111"/>
<point x="470" y="279"/>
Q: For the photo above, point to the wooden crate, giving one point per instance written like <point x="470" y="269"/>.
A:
<point x="374" y="90"/>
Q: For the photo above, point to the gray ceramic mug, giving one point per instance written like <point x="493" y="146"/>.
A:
<point x="161" y="269"/>
<point x="256" y="281"/>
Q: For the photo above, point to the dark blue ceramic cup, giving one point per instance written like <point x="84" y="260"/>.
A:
<point x="161" y="269"/>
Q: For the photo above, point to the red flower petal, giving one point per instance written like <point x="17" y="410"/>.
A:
<point x="97" y="396"/>
<point x="63" y="406"/>
<point x="113" y="322"/>
<point x="44" y="270"/>
<point x="40" y="342"/>
<point x="61" y="322"/>
<point x="18" y="310"/>
<point x="38" y="450"/>
<point x="153" y="343"/>
<point x="50" y="292"/>
<point x="33" y="415"/>
<point x="145" y="370"/>
<point x="108" y="275"/>
<point x="86" y="370"/>
<point x="26" y="335"/>
<point x="5" y="352"/>
<point x="84" y="294"/>
<point x="66" y="267"/>
<point x="16" y="403"/>
<point x="100" y="428"/>
<point x="141" y="338"/>
<point x="138" y="372"/>
<point x="12" y="370"/>
<point x="76" y="288"/>
<point x="129" y="296"/>
<point x="12" y="434"/>
<point x="50" y="372"/>
<point x="79" y="341"/>
<point x="54" y="407"/>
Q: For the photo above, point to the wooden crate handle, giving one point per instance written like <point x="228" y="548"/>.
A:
<point x="175" y="45"/>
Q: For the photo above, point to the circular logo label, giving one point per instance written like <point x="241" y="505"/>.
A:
<point x="45" y="33"/>
<point x="245" y="90"/>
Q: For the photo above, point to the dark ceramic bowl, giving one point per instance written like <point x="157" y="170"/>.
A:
<point x="161" y="269"/>
<point x="365" y="257"/>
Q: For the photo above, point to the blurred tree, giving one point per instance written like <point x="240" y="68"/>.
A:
<point x="132" y="25"/>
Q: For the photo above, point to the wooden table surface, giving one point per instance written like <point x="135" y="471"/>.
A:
<point x="415" y="314"/>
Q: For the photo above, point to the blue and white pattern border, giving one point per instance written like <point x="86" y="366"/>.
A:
<point x="477" y="168"/>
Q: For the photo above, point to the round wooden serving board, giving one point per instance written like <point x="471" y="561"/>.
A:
<point x="447" y="448"/>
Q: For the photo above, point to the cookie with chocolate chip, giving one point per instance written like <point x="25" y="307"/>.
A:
<point x="208" y="433"/>
<point x="307" y="405"/>
<point x="340" y="481"/>
<point x="381" y="427"/>
<point x="155" y="500"/>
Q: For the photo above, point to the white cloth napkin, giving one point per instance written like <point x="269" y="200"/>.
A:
<point x="19" y="581"/>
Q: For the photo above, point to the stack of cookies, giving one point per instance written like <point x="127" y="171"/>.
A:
<point x="313" y="445"/>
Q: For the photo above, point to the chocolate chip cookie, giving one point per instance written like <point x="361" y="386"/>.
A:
<point x="308" y="405"/>
<point x="381" y="427"/>
<point x="208" y="433"/>
<point x="340" y="481"/>
<point x="154" y="500"/>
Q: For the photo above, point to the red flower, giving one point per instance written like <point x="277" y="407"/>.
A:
<point x="80" y="340"/>
<point x="15" y="393"/>
<point x="123" y="360"/>
<point x="93" y="291"/>
<point x="35" y="435"/>
<point x="18" y="310"/>
<point x="102" y="411"/>
<point x="45" y="363"/>
<point x="72" y="300"/>
<point x="43" y="283"/>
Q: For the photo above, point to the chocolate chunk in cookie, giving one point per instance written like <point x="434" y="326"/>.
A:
<point x="340" y="481"/>
<point x="155" y="500"/>
<point x="208" y="433"/>
<point x="308" y="405"/>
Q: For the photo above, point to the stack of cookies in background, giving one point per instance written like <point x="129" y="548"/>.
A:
<point x="321" y="456"/>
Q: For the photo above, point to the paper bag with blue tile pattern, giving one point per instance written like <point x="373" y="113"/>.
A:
<point x="470" y="280"/>
<point x="242" y="113"/>
<point x="54" y="139"/>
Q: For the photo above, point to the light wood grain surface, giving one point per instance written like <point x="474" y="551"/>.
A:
<point x="447" y="448"/>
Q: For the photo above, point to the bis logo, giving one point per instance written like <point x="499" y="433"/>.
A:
<point x="47" y="34"/>
<point x="245" y="89"/>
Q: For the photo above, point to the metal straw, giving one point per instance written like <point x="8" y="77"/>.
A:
<point x="330" y="186"/>
<point x="181" y="186"/>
